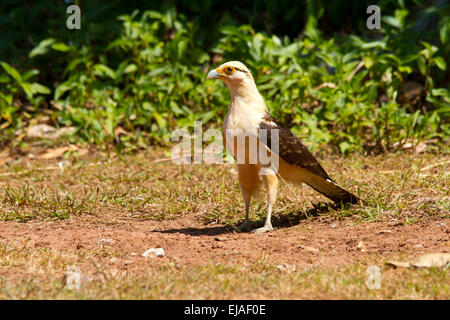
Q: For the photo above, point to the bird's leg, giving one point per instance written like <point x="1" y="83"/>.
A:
<point x="271" y="184"/>
<point x="268" y="225"/>
<point x="246" y="225"/>
<point x="248" y="180"/>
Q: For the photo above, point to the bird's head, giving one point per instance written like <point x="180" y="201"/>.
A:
<point x="233" y="73"/>
<point x="239" y="80"/>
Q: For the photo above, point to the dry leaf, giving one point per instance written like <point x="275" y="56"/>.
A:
<point x="432" y="260"/>
<point x="310" y="249"/>
<point x="53" y="153"/>
<point x="48" y="132"/>
<point x="59" y="152"/>
<point x="424" y="261"/>
<point x="286" y="267"/>
<point x="119" y="130"/>
<point x="82" y="152"/>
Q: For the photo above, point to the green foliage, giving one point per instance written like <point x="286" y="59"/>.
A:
<point x="17" y="86"/>
<point x="340" y="91"/>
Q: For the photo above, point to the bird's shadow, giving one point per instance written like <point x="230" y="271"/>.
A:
<point x="279" y="221"/>
<point x="294" y="218"/>
<point x="208" y="231"/>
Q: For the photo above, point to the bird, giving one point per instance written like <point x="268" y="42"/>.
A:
<point x="248" y="116"/>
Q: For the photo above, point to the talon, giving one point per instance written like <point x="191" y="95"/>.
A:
<point x="263" y="229"/>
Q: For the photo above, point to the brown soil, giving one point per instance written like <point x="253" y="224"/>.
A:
<point x="321" y="240"/>
<point x="312" y="242"/>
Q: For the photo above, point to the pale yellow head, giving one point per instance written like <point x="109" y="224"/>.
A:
<point x="236" y="76"/>
<point x="231" y="71"/>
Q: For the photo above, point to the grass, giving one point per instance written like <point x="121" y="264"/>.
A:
<point x="395" y="187"/>
<point x="246" y="280"/>
<point x="407" y="189"/>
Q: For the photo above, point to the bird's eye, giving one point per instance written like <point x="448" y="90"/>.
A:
<point x="229" y="70"/>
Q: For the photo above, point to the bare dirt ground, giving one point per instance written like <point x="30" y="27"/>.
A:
<point x="108" y="232"/>
<point x="189" y="242"/>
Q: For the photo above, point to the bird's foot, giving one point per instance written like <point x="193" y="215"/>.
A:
<point x="266" y="228"/>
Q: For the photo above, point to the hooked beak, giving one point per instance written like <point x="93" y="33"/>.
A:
<point x="213" y="74"/>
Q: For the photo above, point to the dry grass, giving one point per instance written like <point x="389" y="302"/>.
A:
<point x="395" y="187"/>
<point x="43" y="277"/>
<point x="402" y="188"/>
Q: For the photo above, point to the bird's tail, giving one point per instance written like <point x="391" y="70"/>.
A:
<point x="331" y="190"/>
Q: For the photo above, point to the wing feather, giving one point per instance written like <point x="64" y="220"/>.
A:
<point x="291" y="149"/>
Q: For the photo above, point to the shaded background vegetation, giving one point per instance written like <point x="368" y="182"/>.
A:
<point x="135" y="71"/>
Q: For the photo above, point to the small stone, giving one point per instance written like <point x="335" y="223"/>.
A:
<point x="106" y="241"/>
<point x="361" y="246"/>
<point x="154" y="252"/>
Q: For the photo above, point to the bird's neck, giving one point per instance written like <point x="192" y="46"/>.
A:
<point x="246" y="95"/>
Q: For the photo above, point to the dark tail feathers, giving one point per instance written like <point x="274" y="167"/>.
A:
<point x="331" y="190"/>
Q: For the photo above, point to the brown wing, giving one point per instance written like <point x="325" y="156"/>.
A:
<point x="291" y="149"/>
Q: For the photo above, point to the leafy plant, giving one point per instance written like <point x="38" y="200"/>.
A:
<point x="134" y="85"/>
<point x="15" y="86"/>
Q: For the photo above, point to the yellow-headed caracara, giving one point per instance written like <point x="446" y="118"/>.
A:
<point x="248" y="115"/>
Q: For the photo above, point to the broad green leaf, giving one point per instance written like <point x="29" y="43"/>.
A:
<point x="42" y="47"/>
<point x="101" y="69"/>
<point x="406" y="69"/>
<point x="61" y="89"/>
<point x="39" y="88"/>
<point x="444" y="29"/>
<point x="440" y="62"/>
<point x="27" y="75"/>
<point x="441" y="92"/>
<point x="391" y="21"/>
<point x="27" y="88"/>
<point x="421" y="63"/>
<point x="11" y="71"/>
<point x="374" y="44"/>
<point x="60" y="47"/>
<point x="160" y="120"/>
<point x="130" y="68"/>
<point x="9" y="99"/>
<point x="429" y="50"/>
<point x="400" y="15"/>
<point x="368" y="62"/>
